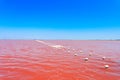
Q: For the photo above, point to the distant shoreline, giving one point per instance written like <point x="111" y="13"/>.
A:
<point x="68" y="39"/>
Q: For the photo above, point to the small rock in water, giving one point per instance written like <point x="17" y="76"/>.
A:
<point x="85" y="59"/>
<point x="75" y="54"/>
<point x="68" y="48"/>
<point x="81" y="51"/>
<point x="106" y="66"/>
<point x="103" y="58"/>
<point x="90" y="54"/>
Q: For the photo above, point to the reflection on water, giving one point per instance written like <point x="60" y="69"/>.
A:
<point x="30" y="60"/>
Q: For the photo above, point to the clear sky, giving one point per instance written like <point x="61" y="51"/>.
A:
<point x="59" y="19"/>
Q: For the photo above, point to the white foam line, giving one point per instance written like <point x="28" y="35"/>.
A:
<point x="51" y="45"/>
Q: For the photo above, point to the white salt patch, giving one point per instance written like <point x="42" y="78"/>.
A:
<point x="57" y="46"/>
<point x="51" y="45"/>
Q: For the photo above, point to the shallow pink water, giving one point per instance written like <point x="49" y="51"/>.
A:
<point x="31" y="60"/>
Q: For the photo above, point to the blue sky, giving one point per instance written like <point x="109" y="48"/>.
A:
<point x="59" y="19"/>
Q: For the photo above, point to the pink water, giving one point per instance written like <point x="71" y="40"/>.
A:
<point x="31" y="60"/>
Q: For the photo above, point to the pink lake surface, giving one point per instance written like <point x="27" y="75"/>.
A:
<point x="33" y="60"/>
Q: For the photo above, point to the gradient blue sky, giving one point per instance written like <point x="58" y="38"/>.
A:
<point x="59" y="19"/>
